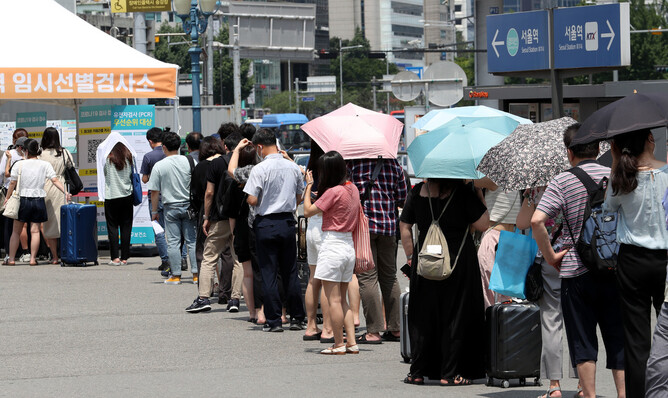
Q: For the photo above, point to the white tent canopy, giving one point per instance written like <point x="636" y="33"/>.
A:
<point x="52" y="53"/>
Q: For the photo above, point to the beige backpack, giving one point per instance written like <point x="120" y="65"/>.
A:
<point x="434" y="257"/>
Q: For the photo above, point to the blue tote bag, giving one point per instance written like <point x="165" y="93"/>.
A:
<point x="136" y="185"/>
<point x="514" y="256"/>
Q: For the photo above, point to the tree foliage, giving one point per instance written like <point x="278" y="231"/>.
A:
<point x="222" y="63"/>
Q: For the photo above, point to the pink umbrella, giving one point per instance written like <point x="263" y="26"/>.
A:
<point x="356" y="133"/>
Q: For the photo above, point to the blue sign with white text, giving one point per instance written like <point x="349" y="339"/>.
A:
<point x="592" y="36"/>
<point x="518" y="42"/>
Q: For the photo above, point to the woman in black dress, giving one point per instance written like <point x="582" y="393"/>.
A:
<point x="445" y="318"/>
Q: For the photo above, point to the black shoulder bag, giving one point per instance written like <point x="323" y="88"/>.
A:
<point x="72" y="178"/>
<point x="192" y="210"/>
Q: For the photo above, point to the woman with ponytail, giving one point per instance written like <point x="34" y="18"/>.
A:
<point x="636" y="190"/>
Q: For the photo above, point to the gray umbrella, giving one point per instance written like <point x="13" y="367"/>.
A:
<point x="529" y="157"/>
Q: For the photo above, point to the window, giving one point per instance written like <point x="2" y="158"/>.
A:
<point x="408" y="9"/>
<point x="408" y="31"/>
<point x="458" y="8"/>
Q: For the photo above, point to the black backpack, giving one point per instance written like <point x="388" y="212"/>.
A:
<point x="597" y="245"/>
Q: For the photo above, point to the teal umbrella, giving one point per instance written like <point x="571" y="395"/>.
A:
<point x="439" y="117"/>
<point x="454" y="151"/>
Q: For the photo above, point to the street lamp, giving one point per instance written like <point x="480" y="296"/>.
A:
<point x="195" y="20"/>
<point x="341" y="49"/>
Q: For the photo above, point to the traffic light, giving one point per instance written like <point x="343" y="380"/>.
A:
<point x="376" y="54"/>
<point x="322" y="54"/>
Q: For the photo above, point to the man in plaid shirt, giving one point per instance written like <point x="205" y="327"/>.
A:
<point x="386" y="194"/>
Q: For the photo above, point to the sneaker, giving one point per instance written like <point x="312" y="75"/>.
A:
<point x="166" y="274"/>
<point x="233" y="305"/>
<point x="272" y="329"/>
<point x="164" y="266"/>
<point x="199" y="305"/>
<point x="297" y="325"/>
<point x="173" y="280"/>
<point x="25" y="258"/>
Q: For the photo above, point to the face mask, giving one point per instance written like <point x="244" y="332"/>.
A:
<point x="258" y="153"/>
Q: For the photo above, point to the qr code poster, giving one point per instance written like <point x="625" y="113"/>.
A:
<point x="92" y="149"/>
<point x="94" y="127"/>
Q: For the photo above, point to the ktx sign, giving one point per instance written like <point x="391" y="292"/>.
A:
<point x="584" y="37"/>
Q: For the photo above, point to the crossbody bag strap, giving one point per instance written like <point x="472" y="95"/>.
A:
<point x="191" y="161"/>
<point x="461" y="247"/>
<point x="431" y="209"/>
<point x="586" y="180"/>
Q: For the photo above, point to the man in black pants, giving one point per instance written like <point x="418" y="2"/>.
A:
<point x="275" y="187"/>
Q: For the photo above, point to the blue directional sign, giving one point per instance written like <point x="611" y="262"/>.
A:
<point x="308" y="99"/>
<point x="518" y="42"/>
<point x="415" y="69"/>
<point x="592" y="36"/>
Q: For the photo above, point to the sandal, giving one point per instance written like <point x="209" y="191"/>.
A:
<point x="417" y="380"/>
<point x="579" y="394"/>
<point x="34" y="264"/>
<point x="312" y="337"/>
<point x="340" y="350"/>
<point x="388" y="336"/>
<point x="7" y="262"/>
<point x="361" y="339"/>
<point x="456" y="381"/>
<point x="549" y="392"/>
<point x="56" y="261"/>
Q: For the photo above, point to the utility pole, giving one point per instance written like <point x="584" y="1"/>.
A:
<point x="139" y="41"/>
<point x="387" y="72"/>
<point x="341" y="70"/>
<point x="237" y="75"/>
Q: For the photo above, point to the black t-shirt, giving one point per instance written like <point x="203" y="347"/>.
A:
<point x="464" y="209"/>
<point x="215" y="173"/>
<point x="198" y="184"/>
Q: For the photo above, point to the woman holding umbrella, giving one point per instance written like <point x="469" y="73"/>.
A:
<point x="446" y="319"/>
<point x="638" y="184"/>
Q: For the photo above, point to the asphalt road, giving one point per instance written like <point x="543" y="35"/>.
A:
<point x="107" y="331"/>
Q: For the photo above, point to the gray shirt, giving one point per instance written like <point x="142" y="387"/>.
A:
<point x="276" y="182"/>
<point x="171" y="176"/>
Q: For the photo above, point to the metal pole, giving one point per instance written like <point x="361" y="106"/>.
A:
<point x="209" y="64"/>
<point x="387" y="72"/>
<point x="290" y="84"/>
<point x="176" y="127"/>
<point x="341" y="70"/>
<point x="373" y="83"/>
<point x="237" y="75"/>
<point x="557" y="87"/>
<point x="296" y="93"/>
<point x="139" y="41"/>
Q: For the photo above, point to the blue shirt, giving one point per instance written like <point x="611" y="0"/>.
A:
<point x="275" y="182"/>
<point x="150" y="159"/>
<point x="642" y="218"/>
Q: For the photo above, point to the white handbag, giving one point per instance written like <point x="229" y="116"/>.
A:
<point x="14" y="202"/>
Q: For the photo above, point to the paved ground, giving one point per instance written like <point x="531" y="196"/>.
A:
<point x="119" y="331"/>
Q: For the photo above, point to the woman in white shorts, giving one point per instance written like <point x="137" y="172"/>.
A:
<point x="338" y="201"/>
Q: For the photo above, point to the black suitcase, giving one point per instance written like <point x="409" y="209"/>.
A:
<point x="404" y="339"/>
<point x="513" y="343"/>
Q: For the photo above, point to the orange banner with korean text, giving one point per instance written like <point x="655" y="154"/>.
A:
<point x="61" y="83"/>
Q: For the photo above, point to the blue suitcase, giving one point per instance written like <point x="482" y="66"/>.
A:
<point x="78" y="230"/>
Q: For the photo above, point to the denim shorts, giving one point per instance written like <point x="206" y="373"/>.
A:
<point x="32" y="210"/>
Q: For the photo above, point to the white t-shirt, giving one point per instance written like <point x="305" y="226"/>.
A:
<point x="34" y="173"/>
<point x="3" y="164"/>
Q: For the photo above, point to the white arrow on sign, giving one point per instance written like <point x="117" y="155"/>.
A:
<point x="610" y="34"/>
<point x="498" y="43"/>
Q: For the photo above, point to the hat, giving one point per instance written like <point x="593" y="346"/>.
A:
<point x="21" y="141"/>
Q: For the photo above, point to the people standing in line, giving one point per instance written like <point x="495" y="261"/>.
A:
<point x="118" y="206"/>
<point x="210" y="149"/>
<point x="154" y="138"/>
<point x="586" y="300"/>
<point x="33" y="174"/>
<point x="275" y="187"/>
<point x="216" y="228"/>
<point x="446" y="318"/>
<point x="231" y="271"/>
<point x="339" y="202"/>
<point x="385" y="194"/>
<point x="503" y="208"/>
<point x="171" y="178"/>
<point x="244" y="158"/>
<point x="636" y="190"/>
<point x="14" y="153"/>
<point x="551" y="318"/>
<point x="57" y="156"/>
